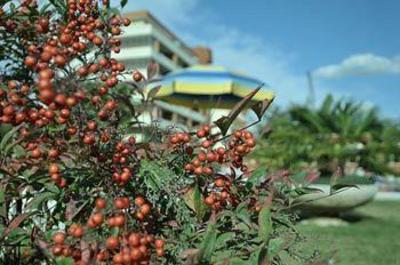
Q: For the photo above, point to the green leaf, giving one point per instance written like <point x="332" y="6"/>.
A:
<point x="7" y="137"/>
<point x="264" y="223"/>
<point x="19" y="151"/>
<point x="222" y="257"/>
<point x="224" y="238"/>
<point x="275" y="246"/>
<point x="257" y="176"/>
<point x="44" y="8"/>
<point x="4" y="128"/>
<point x="53" y="188"/>
<point x="194" y="201"/>
<point x="16" y="235"/>
<point x="115" y="231"/>
<point x="64" y="261"/>
<point x="154" y="175"/>
<point x="209" y="242"/>
<point x="57" y="128"/>
<point x="259" y="256"/>
<point x="37" y="201"/>
<point x="238" y="261"/>
<point x="243" y="214"/>
<point x="243" y="228"/>
<point x="60" y="5"/>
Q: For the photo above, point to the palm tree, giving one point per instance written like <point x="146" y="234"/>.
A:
<point x="287" y="146"/>
<point x="331" y="136"/>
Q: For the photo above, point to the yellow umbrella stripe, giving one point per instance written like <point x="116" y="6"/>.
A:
<point x="213" y="89"/>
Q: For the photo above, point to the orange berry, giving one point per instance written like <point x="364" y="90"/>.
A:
<point x="100" y="203"/>
<point x="145" y="209"/>
<point x="139" y="201"/>
<point x="134" y="239"/>
<point x="59" y="238"/>
<point x="159" y="243"/>
<point x="112" y="242"/>
<point x="98" y="218"/>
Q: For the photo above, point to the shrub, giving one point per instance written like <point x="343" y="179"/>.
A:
<point x="77" y="187"/>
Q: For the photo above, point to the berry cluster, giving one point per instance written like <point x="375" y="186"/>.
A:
<point x="211" y="155"/>
<point x="122" y="154"/>
<point x="52" y="94"/>
<point x="133" y="248"/>
<point x="240" y="145"/>
<point x="127" y="247"/>
<point x="55" y="175"/>
<point x="76" y="134"/>
<point x="179" y="139"/>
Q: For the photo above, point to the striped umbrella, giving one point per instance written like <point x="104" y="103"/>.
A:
<point x="206" y="86"/>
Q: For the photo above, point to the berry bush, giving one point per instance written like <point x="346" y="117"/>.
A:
<point x="77" y="186"/>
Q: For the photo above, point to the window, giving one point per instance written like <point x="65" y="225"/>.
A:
<point x="182" y="120"/>
<point x="182" y="64"/>
<point x="164" y="70"/>
<point x="195" y="123"/>
<point x="166" y="52"/>
<point x="166" y="115"/>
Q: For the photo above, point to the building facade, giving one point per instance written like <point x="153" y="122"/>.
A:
<point x="148" y="40"/>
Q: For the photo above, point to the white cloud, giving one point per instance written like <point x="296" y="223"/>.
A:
<point x="253" y="56"/>
<point x="231" y="48"/>
<point x="360" y="65"/>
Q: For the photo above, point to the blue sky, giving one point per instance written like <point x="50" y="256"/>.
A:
<point x="352" y="47"/>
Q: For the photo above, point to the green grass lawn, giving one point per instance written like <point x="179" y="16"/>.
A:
<point x="372" y="240"/>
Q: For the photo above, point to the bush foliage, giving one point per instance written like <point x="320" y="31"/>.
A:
<point x="78" y="186"/>
<point x="330" y="137"/>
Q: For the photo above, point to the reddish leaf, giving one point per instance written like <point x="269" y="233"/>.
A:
<point x="79" y="210"/>
<point x="34" y="232"/>
<point x="70" y="210"/>
<point x="225" y="122"/>
<point x="261" y="107"/>
<point x="85" y="249"/>
<point x="191" y="256"/>
<point x="14" y="224"/>
<point x="42" y="244"/>
<point x="152" y="70"/>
